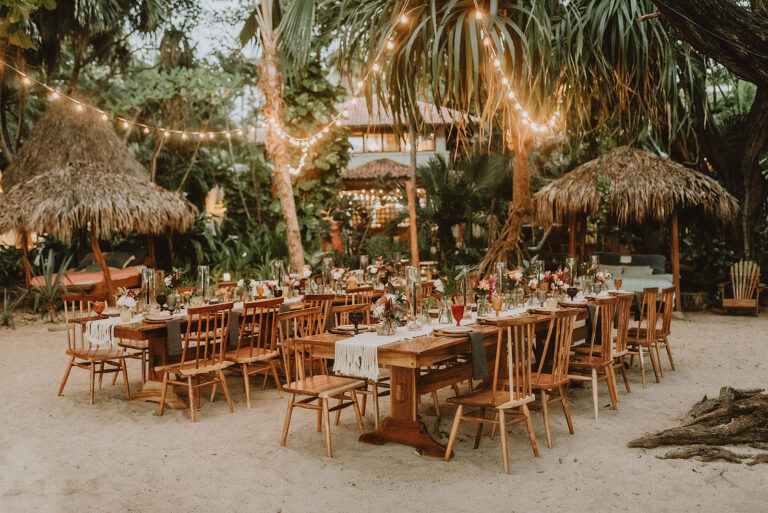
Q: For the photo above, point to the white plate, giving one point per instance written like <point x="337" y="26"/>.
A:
<point x="457" y="329"/>
<point x="158" y="317"/>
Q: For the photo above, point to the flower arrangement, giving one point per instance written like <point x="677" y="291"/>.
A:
<point x="127" y="299"/>
<point x="379" y="266"/>
<point x="338" y="273"/>
<point x="291" y="281"/>
<point x="513" y="279"/>
<point x="391" y="306"/>
<point x="172" y="280"/>
<point x="485" y="288"/>
<point x="533" y="284"/>
<point x="601" y="277"/>
<point x="307" y="273"/>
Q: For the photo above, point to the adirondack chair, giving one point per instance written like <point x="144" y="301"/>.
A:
<point x="745" y="285"/>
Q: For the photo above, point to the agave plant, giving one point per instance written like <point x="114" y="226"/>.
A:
<point x="48" y="294"/>
<point x="10" y="303"/>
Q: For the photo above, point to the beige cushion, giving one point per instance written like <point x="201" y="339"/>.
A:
<point x="637" y="270"/>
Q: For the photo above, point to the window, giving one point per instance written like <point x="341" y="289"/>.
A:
<point x="376" y="142"/>
<point x="389" y="142"/>
<point x="356" y="140"/>
<point x="425" y="142"/>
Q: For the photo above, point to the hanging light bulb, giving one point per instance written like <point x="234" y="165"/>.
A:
<point x="228" y="135"/>
<point x="184" y="136"/>
<point x="403" y="18"/>
<point x="79" y="107"/>
<point x="486" y="41"/>
<point x="146" y="130"/>
<point x="202" y="135"/>
<point x="510" y="95"/>
<point x="211" y="135"/>
<point x="55" y="95"/>
<point x="478" y="14"/>
<point x="103" y="116"/>
<point x="376" y="66"/>
<point x="390" y="45"/>
<point x="496" y="62"/>
<point x="360" y="84"/>
<point x="25" y="80"/>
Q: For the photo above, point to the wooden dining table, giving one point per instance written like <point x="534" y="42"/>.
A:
<point x="408" y="382"/>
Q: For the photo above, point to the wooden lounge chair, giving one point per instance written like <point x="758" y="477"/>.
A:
<point x="745" y="287"/>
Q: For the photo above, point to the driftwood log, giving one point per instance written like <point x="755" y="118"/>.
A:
<point x="735" y="417"/>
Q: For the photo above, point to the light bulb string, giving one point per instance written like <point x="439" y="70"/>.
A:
<point x="497" y="63"/>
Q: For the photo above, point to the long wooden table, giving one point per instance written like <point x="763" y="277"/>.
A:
<point x="408" y="384"/>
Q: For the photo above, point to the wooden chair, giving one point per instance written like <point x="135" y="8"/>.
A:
<point x="78" y="311"/>
<point x="427" y="288"/>
<point x="745" y="287"/>
<point x="341" y="313"/>
<point x="643" y="336"/>
<point x="510" y="388"/>
<point x="182" y="290"/>
<point x="552" y="373"/>
<point x="225" y="289"/>
<point x="624" y="310"/>
<point x="358" y="295"/>
<point x="256" y="351"/>
<point x="324" y="301"/>
<point x="316" y="389"/>
<point x="666" y="307"/>
<point x="202" y="356"/>
<point x="597" y="364"/>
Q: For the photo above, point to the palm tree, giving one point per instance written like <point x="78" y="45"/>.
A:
<point x="283" y="32"/>
<point x="589" y="58"/>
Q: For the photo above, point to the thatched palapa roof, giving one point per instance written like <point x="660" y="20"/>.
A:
<point x="374" y="169"/>
<point x="64" y="134"/>
<point x="71" y="195"/>
<point x="642" y="186"/>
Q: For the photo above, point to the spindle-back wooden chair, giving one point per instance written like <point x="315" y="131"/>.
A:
<point x="666" y="307"/>
<point x="225" y="288"/>
<point x="551" y="374"/>
<point x="78" y="310"/>
<point x="643" y="336"/>
<point x="359" y="295"/>
<point x="316" y="389"/>
<point x="202" y="356"/>
<point x="624" y="310"/>
<point x="507" y="391"/>
<point x="324" y="301"/>
<point x="745" y="287"/>
<point x="256" y="351"/>
<point x="597" y="364"/>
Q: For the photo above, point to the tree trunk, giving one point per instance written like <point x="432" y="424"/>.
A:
<point x="755" y="139"/>
<point x="102" y="263"/>
<point x="507" y="247"/>
<point x="410" y="190"/>
<point x="271" y="85"/>
<point x="153" y="158"/>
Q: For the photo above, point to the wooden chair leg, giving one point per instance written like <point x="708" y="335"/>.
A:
<point x="125" y="378"/>
<point x="247" y="385"/>
<point x="338" y="413"/>
<point x="287" y="421"/>
<point x="658" y="358"/>
<point x="529" y="427"/>
<point x="434" y="400"/>
<point x="503" y="438"/>
<point x="365" y="403"/>
<point x="213" y="391"/>
<point x="454" y="431"/>
<point x="264" y="382"/>
<point x="114" y="376"/>
<point x="143" y="365"/>
<point x="545" y="414"/>
<point x="278" y="384"/>
<point x="455" y="388"/>
<point x="66" y="376"/>
<point x="654" y="364"/>
<point x="595" y="404"/>
<point x="624" y="375"/>
<point x="101" y="373"/>
<point x="566" y="410"/>
<point x="191" y="394"/>
<point x="375" y="399"/>
<point x="163" y="393"/>
<point x="669" y="353"/>
<point x="358" y="417"/>
<point x="327" y="428"/>
<point x="641" y="359"/>
<point x="479" y="432"/>
<point x="610" y="380"/>
<point x="93" y="382"/>
<point x="226" y="390"/>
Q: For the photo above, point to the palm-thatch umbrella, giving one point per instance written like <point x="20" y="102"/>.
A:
<point x="78" y="194"/>
<point x="642" y="186"/>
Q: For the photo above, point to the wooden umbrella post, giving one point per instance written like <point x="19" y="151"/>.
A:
<point x="412" y="229"/>
<point x="102" y="262"/>
<point x="25" y="256"/>
<point x="675" y="243"/>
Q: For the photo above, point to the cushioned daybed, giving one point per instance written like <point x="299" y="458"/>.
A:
<point x="636" y="271"/>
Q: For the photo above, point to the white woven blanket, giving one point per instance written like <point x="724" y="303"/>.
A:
<point x="102" y="331"/>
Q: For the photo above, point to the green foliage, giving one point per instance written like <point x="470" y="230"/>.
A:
<point x="604" y="210"/>
<point x="47" y="295"/>
<point x="10" y="303"/>
<point x="708" y="261"/>
<point x="10" y="264"/>
<point x="382" y="245"/>
<point x="16" y="24"/>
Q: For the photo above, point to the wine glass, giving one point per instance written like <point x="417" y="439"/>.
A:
<point x="572" y="292"/>
<point x="356" y="318"/>
<point x="458" y="313"/>
<point x="171" y="300"/>
<point x="260" y="289"/>
<point x="384" y="279"/>
<point x="98" y="307"/>
<point x="617" y="283"/>
<point x="160" y="298"/>
<point x="496" y="302"/>
<point x="541" y="297"/>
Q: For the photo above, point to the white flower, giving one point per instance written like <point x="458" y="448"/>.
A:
<point x="378" y="311"/>
<point x="372" y="269"/>
<point x="307" y="272"/>
<point x="337" y="274"/>
<point x="167" y="281"/>
<point x="241" y="283"/>
<point x="253" y="284"/>
<point x="533" y="283"/>
<point x="126" y="302"/>
<point x="439" y="286"/>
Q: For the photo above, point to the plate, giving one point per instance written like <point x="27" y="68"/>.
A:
<point x="453" y="330"/>
<point x="158" y="317"/>
<point x="545" y="309"/>
<point x="346" y="327"/>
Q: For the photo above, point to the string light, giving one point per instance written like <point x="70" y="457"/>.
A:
<point x="494" y="57"/>
<point x="79" y="107"/>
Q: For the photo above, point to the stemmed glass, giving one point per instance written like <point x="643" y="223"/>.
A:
<point x="356" y="318"/>
<point x="260" y="289"/>
<point x="541" y="297"/>
<point x="160" y="298"/>
<point x="384" y="278"/>
<point x="572" y="292"/>
<point x="98" y="307"/>
<point x="497" y="302"/>
<point x="617" y="283"/>
<point x="458" y="313"/>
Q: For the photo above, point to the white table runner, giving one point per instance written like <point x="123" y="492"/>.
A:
<point x="102" y="332"/>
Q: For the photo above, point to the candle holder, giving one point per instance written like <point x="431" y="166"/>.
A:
<point x="413" y="294"/>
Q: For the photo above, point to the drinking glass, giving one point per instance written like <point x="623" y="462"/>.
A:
<point x="260" y="289"/>
<point x="160" y="298"/>
<point x="496" y="302"/>
<point x="148" y="287"/>
<point x="541" y="297"/>
<point x="98" y="307"/>
<point x="572" y="292"/>
<point x="617" y="283"/>
<point x="356" y="318"/>
<point x="570" y="264"/>
<point x="203" y="278"/>
<point x="364" y="262"/>
<point x="458" y="313"/>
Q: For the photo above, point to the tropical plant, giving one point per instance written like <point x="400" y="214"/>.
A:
<point x="47" y="295"/>
<point x="10" y="303"/>
<point x="10" y="264"/>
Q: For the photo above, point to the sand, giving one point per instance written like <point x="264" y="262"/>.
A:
<point x="59" y="454"/>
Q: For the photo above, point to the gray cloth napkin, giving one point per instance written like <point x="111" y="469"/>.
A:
<point x="173" y="326"/>
<point x="479" y="363"/>
<point x="234" y="327"/>
<point x="590" y="324"/>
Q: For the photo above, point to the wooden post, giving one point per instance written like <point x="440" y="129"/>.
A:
<point x="410" y="190"/>
<point x="675" y="243"/>
<point x="151" y="250"/>
<point x="102" y="263"/>
<point x="572" y="237"/>
<point x="25" y="255"/>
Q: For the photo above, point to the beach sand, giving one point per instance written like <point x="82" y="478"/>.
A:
<point x="59" y="454"/>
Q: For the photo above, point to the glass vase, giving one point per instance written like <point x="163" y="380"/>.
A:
<point x="125" y="314"/>
<point x="444" y="316"/>
<point x="386" y="327"/>
<point x="483" y="307"/>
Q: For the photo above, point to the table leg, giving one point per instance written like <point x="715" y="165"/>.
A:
<point x="152" y="387"/>
<point x="402" y="426"/>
